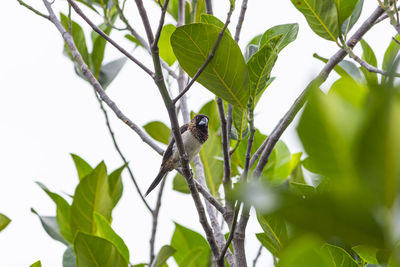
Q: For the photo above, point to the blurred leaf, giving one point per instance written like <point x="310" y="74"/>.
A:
<point x="210" y="19"/>
<point x="305" y="252"/>
<point x="239" y="117"/>
<point x="369" y="57"/>
<point x="92" y="194"/>
<point x="63" y="213"/>
<point x="368" y="254"/>
<point x="199" y="9"/>
<point x="275" y="233"/>
<point x="109" y="71"/>
<point x="69" y="259"/>
<point x="238" y="157"/>
<point x="344" y="9"/>
<point x="226" y="75"/>
<point x="115" y="184"/>
<point x="104" y="230"/>
<point x="159" y="131"/>
<point x="82" y="166"/>
<point x="140" y="265"/>
<point x="302" y="189"/>
<point x="390" y="54"/>
<point x="287" y="33"/>
<point x="106" y="254"/>
<point x="36" y="264"/>
<point x="163" y="255"/>
<point x="79" y="39"/>
<point x="4" y="221"/>
<point x="349" y="23"/>
<point x="191" y="247"/>
<point x="321" y="17"/>
<point x="278" y="168"/>
<point x="50" y="225"/>
<point x="88" y="3"/>
<point x="339" y="256"/>
<point x="164" y="44"/>
<point x="180" y="184"/>
<point x="348" y="90"/>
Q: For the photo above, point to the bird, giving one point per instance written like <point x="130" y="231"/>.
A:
<point x="194" y="135"/>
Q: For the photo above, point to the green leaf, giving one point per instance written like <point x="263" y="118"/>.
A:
<point x="275" y="233"/>
<point x="93" y="251"/>
<point x="92" y="194"/>
<point x="239" y="117"/>
<point x="115" y="184"/>
<point x="69" y="259"/>
<point x="321" y="16"/>
<point x="302" y="189"/>
<point x="344" y="9"/>
<point x="390" y="54"/>
<point x="104" y="230"/>
<point x="226" y="75"/>
<point x="210" y="19"/>
<point x="63" y="213"/>
<point x="4" y="221"/>
<point x="278" y="167"/>
<point x="164" y="44"/>
<point x="36" y="264"/>
<point x="349" y="23"/>
<point x="356" y="97"/>
<point x="133" y="40"/>
<point x="163" y="255"/>
<point x="109" y="71"/>
<point x="79" y="39"/>
<point x="339" y="256"/>
<point x="256" y="40"/>
<point x="159" y="131"/>
<point x="307" y="252"/>
<point x="345" y="68"/>
<point x="198" y="9"/>
<point x="369" y="57"/>
<point x="82" y="166"/>
<point x="368" y="254"/>
<point x="50" y="225"/>
<point x="250" y="51"/>
<point x="288" y="33"/>
<point x="191" y="248"/>
<point x="260" y="66"/>
<point x="99" y="47"/>
<point x="179" y="184"/>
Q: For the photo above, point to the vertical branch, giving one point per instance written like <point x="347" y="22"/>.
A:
<point x="257" y="256"/>
<point x="240" y="20"/>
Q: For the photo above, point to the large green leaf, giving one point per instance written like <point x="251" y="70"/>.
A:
<point x="163" y="255"/>
<point x="226" y="75"/>
<point x="368" y="254"/>
<point x="356" y="97"/>
<point x="260" y="66"/>
<point x="321" y="16"/>
<point x="159" y="131"/>
<point x="82" y="166"/>
<point x="109" y="71"/>
<point x="370" y="58"/>
<point x="288" y="33"/>
<point x="210" y="19"/>
<point x="50" y="225"/>
<point x="69" y="259"/>
<point x="275" y="233"/>
<point x="79" y="38"/>
<point x="164" y="44"/>
<point x="104" y="230"/>
<point x="344" y="9"/>
<point x="191" y="248"/>
<point x="4" y="221"/>
<point x="63" y="213"/>
<point x="349" y="23"/>
<point x="92" y="194"/>
<point x="94" y="251"/>
<point x="339" y="256"/>
<point x="115" y="184"/>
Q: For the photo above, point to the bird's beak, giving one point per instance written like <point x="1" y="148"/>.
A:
<point x="203" y="122"/>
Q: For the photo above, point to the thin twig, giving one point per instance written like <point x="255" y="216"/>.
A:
<point x="111" y="41"/>
<point x="110" y="130"/>
<point x="92" y="80"/>
<point x="155" y="220"/>
<point x="257" y="256"/>
<point x="209" y="58"/>
<point x="37" y="12"/>
<point x="212" y="200"/>
<point x="240" y="20"/>
<point x="161" y="23"/>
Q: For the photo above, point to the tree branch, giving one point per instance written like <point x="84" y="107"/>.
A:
<point x="111" y="41"/>
<point x="37" y="12"/>
<point x="240" y="20"/>
<point x="209" y="58"/>
<point x="92" y="80"/>
<point x="257" y="256"/>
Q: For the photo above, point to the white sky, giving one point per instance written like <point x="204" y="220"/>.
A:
<point x="48" y="112"/>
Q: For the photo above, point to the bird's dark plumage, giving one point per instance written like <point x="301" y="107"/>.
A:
<point x="194" y="134"/>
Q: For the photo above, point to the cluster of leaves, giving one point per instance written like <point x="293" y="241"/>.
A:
<point x="350" y="135"/>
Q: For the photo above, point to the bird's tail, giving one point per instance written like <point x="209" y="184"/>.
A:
<point x="156" y="181"/>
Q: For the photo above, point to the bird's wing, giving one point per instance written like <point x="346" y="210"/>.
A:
<point x="168" y="152"/>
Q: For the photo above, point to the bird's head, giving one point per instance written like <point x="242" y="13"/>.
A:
<point x="201" y="121"/>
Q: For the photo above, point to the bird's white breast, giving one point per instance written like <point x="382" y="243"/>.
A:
<point x="191" y="144"/>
